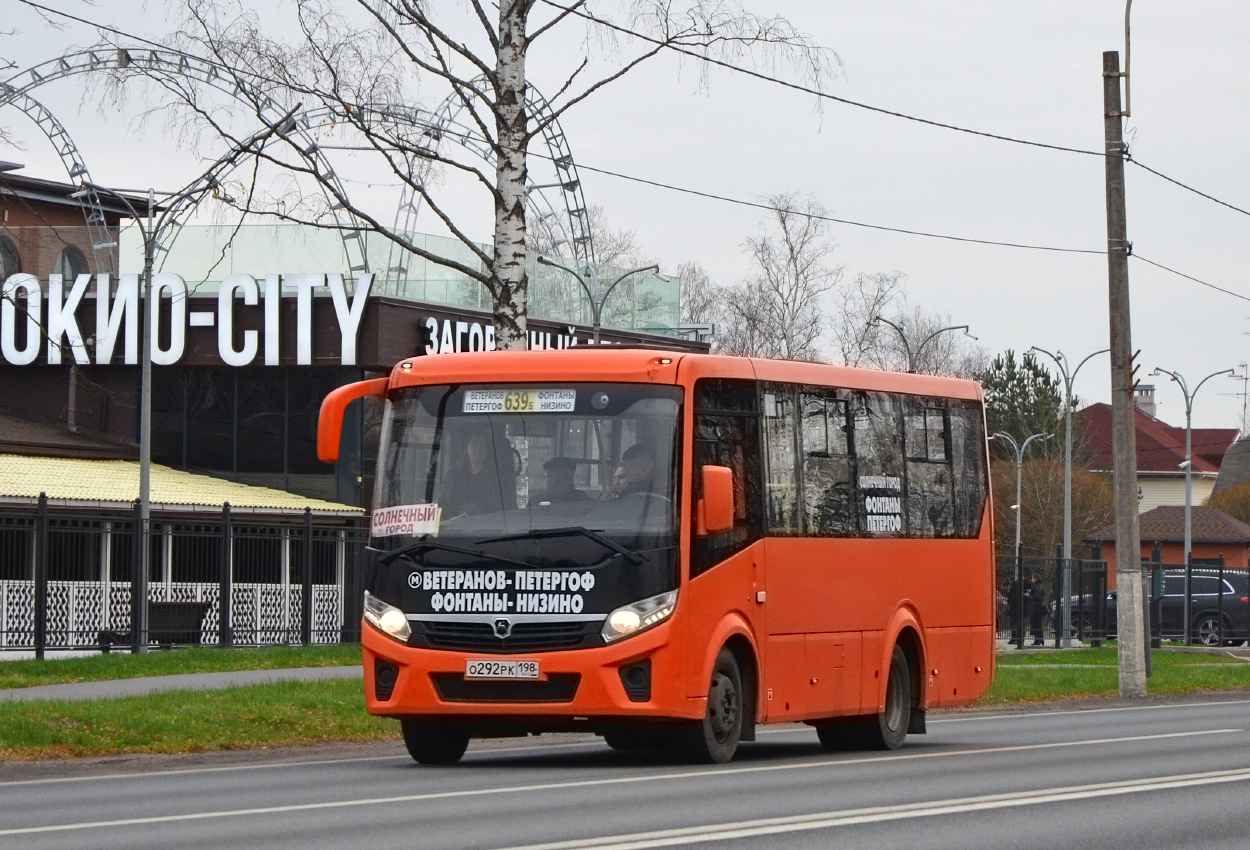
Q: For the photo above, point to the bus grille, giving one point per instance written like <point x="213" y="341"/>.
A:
<point x="525" y="637"/>
<point x="558" y="687"/>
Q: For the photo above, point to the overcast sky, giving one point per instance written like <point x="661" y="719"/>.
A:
<point x="1025" y="69"/>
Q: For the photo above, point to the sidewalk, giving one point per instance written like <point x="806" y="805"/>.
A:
<point x="113" y="688"/>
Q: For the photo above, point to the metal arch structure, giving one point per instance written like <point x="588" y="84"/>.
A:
<point x="76" y="167"/>
<point x="443" y="123"/>
<point x="17" y="88"/>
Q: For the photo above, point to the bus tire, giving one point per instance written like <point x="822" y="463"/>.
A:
<point x="434" y="743"/>
<point x="890" y="728"/>
<point x="715" y="740"/>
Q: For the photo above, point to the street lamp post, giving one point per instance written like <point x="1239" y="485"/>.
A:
<point x="152" y="231"/>
<point x="1189" y="472"/>
<point x="1019" y="451"/>
<point x="596" y="306"/>
<point x="913" y="355"/>
<point x="1069" y="377"/>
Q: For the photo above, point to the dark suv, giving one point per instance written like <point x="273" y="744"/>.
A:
<point x="1204" y="607"/>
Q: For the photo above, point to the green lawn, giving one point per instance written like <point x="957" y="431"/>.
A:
<point x="123" y="665"/>
<point x="304" y="713"/>
<point x="1085" y="673"/>
<point x="279" y="714"/>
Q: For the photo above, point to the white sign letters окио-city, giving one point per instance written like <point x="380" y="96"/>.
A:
<point x="118" y="316"/>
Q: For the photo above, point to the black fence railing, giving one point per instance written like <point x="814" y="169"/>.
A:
<point x="1030" y="594"/>
<point x="1198" y="604"/>
<point x="67" y="580"/>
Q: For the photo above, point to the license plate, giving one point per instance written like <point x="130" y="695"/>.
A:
<point x="488" y="669"/>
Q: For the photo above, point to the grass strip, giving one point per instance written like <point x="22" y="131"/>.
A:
<point x="1090" y="673"/>
<point x="94" y="668"/>
<point x="279" y="714"/>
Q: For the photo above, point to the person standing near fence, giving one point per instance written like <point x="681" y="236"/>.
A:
<point x="1037" y="609"/>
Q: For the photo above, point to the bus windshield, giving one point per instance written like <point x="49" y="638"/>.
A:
<point x="555" y="474"/>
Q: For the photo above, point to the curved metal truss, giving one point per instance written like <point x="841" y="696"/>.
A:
<point x="441" y="124"/>
<point x="16" y="90"/>
<point x="86" y="196"/>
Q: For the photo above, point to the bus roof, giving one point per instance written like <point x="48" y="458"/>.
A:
<point x="649" y="365"/>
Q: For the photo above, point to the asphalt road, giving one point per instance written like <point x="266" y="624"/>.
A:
<point x="1153" y="776"/>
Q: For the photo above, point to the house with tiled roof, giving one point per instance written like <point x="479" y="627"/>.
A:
<point x="1160" y="453"/>
<point x="1215" y="534"/>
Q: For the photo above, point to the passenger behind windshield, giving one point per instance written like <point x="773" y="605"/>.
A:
<point x="637" y="470"/>
<point x="560" y="485"/>
<point x="484" y="480"/>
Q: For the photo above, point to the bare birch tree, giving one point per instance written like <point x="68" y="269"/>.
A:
<point x="863" y="341"/>
<point x="860" y="338"/>
<point x="369" y="63"/>
<point x="779" y="309"/>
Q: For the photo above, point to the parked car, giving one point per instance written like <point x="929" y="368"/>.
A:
<point x="1204" y="608"/>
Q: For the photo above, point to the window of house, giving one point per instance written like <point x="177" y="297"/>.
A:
<point x="10" y="258"/>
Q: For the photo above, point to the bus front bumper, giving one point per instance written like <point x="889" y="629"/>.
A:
<point x="574" y="687"/>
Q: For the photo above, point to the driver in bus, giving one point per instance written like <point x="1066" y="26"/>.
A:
<point x="484" y="480"/>
<point x="636" y="470"/>
<point x="560" y="486"/>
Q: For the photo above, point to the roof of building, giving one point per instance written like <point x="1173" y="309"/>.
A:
<point x="1166" y="524"/>
<point x="1160" y="446"/>
<point x="15" y="185"/>
<point x="23" y="436"/>
<point x="1235" y="468"/>
<point x="113" y="484"/>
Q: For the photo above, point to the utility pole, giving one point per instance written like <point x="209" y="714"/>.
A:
<point x="1132" y="616"/>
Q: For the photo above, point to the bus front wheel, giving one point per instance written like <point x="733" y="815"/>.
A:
<point x="884" y="731"/>
<point x="434" y="743"/>
<point x="715" y="740"/>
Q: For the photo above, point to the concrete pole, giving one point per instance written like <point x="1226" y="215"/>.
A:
<point x="1131" y="622"/>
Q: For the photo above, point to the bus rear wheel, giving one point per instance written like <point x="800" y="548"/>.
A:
<point x="715" y="740"/>
<point x="434" y="743"/>
<point x="884" y="731"/>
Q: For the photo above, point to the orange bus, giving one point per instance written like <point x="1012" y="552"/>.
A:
<point x="668" y="549"/>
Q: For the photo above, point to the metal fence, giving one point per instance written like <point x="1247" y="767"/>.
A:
<point x="67" y="580"/>
<point x="1202" y="604"/>
<point x="1029" y="594"/>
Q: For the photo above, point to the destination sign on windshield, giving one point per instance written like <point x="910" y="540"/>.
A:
<point x="520" y="401"/>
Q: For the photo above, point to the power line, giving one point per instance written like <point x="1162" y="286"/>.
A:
<point x="1191" y="277"/>
<point x="817" y="92"/>
<point x="1188" y="188"/>
<point x="762" y="206"/>
<point x="826" y="96"/>
<point x="760" y="76"/>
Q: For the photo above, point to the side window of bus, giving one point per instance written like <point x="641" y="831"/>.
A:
<point x="878" y="443"/>
<point x="930" y="494"/>
<point x="828" y="492"/>
<point x="781" y="483"/>
<point x="726" y="433"/>
<point x="967" y="449"/>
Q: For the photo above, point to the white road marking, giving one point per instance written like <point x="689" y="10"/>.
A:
<point x="589" y="783"/>
<point x="972" y="718"/>
<point x="550" y="746"/>
<point x="878" y="814"/>
<point x="269" y="765"/>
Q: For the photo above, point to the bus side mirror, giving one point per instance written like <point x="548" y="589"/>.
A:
<point x="716" y="508"/>
<point x="330" y="422"/>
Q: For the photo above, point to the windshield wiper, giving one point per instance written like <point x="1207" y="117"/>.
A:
<point x="630" y="555"/>
<point x="421" y="546"/>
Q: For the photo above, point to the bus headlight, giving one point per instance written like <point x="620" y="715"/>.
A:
<point x="638" y="616"/>
<point x="387" y="618"/>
